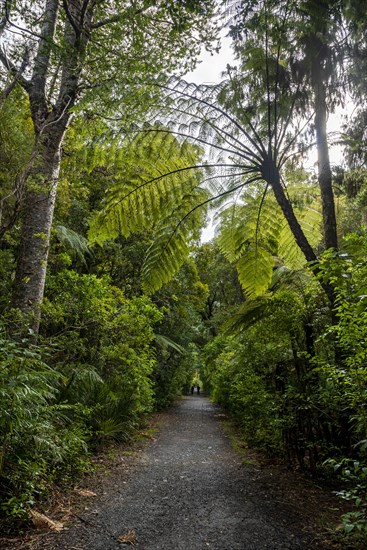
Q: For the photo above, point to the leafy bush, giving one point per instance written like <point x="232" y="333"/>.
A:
<point x="353" y="473"/>
<point x="38" y="441"/>
<point x="242" y="391"/>
<point x="89" y="380"/>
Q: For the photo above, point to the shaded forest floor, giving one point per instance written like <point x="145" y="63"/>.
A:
<point x="182" y="485"/>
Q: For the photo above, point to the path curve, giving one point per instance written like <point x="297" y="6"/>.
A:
<point x="189" y="491"/>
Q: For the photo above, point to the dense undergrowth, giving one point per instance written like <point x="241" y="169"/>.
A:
<point x="106" y="356"/>
<point x="91" y="378"/>
<point x="294" y="377"/>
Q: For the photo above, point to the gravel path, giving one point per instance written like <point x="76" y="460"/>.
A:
<point x="190" y="491"/>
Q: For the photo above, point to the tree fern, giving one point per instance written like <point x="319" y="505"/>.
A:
<point x="255" y="236"/>
<point x="160" y="192"/>
<point x="73" y="242"/>
<point x="249" y="138"/>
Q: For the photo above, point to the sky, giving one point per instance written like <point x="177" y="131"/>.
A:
<point x="211" y="66"/>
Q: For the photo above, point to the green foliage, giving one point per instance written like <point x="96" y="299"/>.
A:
<point x="231" y="374"/>
<point x="89" y="381"/>
<point x="158" y="193"/>
<point x="182" y="301"/>
<point x="113" y="334"/>
<point x="75" y="244"/>
<point x="41" y="440"/>
<point x="256" y="237"/>
<point x="353" y="473"/>
<point x="16" y="141"/>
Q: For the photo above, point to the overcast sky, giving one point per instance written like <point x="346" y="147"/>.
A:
<point x="211" y="66"/>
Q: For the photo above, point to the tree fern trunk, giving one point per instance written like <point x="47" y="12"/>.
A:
<point x="271" y="175"/>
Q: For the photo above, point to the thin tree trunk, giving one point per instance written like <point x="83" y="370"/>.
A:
<point x="324" y="170"/>
<point x="270" y="173"/>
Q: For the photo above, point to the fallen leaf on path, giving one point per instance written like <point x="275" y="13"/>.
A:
<point x="41" y="521"/>
<point x="128" y="538"/>
<point x="85" y="492"/>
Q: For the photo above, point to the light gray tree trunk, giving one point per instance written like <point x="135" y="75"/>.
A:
<point x="42" y="174"/>
<point x="36" y="229"/>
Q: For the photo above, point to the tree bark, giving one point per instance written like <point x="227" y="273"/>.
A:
<point x="324" y="169"/>
<point x="42" y="174"/>
<point x="37" y="223"/>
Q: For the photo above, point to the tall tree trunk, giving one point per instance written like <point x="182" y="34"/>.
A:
<point x="324" y="169"/>
<point x="37" y="223"/>
<point x="43" y="172"/>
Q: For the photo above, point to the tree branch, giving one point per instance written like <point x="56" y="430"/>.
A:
<point x="71" y="18"/>
<point x="16" y="78"/>
<point x="15" y="72"/>
<point x="114" y="19"/>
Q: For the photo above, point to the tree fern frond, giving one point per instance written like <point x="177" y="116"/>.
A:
<point x="247" y="314"/>
<point x="170" y="246"/>
<point x="160" y="172"/>
<point x="231" y="238"/>
<point x="164" y="257"/>
<point x="255" y="268"/>
<point x="74" y="243"/>
<point x="284" y="277"/>
<point x="310" y="220"/>
<point x="165" y="342"/>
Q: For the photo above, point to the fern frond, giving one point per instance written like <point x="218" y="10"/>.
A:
<point x="170" y="246"/>
<point x="255" y="268"/>
<point x="284" y="277"/>
<point x="310" y="219"/>
<point x="165" y="342"/>
<point x="160" y="174"/>
<point x="247" y="314"/>
<point x="249" y="236"/>
<point x="74" y="243"/>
